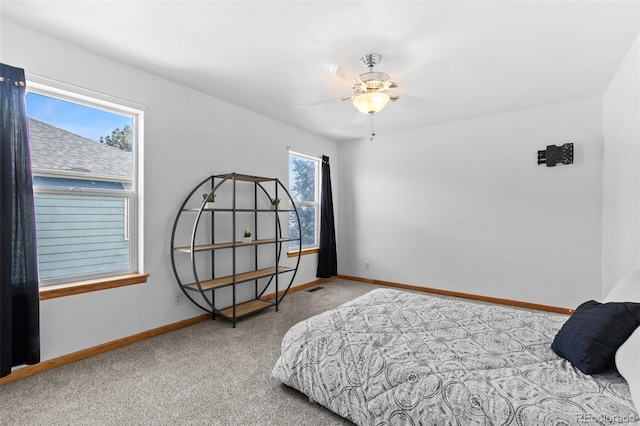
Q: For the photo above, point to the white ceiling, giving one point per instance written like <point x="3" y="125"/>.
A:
<point x="267" y="56"/>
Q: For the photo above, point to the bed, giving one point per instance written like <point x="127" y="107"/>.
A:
<point x="397" y="357"/>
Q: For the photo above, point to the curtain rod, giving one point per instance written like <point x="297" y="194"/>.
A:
<point x="304" y="151"/>
<point x="59" y="85"/>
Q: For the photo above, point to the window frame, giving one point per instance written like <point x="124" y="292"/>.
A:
<point x="133" y="199"/>
<point x="309" y="248"/>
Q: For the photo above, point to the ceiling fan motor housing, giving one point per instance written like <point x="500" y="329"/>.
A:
<point x="372" y="81"/>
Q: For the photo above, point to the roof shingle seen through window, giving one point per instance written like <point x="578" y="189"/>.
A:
<point x="56" y="149"/>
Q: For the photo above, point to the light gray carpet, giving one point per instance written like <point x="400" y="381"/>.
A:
<point x="208" y="373"/>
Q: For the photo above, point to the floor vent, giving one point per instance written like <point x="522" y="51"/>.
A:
<point x="315" y="289"/>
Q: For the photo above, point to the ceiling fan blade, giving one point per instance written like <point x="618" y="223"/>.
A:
<point x="428" y="70"/>
<point x="324" y="101"/>
<point x="337" y="71"/>
<point x="413" y="101"/>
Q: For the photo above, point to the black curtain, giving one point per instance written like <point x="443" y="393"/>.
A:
<point x="19" y="297"/>
<point x="328" y="257"/>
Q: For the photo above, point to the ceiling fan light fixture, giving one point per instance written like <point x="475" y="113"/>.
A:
<point x="371" y="102"/>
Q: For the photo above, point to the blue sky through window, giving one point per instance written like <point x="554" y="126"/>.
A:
<point x="92" y="123"/>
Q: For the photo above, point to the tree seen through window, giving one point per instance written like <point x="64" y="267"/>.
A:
<point x="303" y="185"/>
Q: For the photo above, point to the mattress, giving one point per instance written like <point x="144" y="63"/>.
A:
<point x="399" y="357"/>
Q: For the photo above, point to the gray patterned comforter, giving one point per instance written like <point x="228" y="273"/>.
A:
<point x="395" y="357"/>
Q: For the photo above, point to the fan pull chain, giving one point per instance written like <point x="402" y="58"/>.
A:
<point x="372" y="132"/>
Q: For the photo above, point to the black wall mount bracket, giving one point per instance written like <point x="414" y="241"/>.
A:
<point x="556" y="154"/>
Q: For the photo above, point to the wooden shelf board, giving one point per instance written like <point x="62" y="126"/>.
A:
<point x="245" y="276"/>
<point x="246" y="308"/>
<point x="245" y="178"/>
<point x="238" y="210"/>
<point x="196" y="210"/>
<point x="207" y="247"/>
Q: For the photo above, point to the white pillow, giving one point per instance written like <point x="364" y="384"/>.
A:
<point x="627" y="289"/>
<point x="628" y="355"/>
<point x="628" y="364"/>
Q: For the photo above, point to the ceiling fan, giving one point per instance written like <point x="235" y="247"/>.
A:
<point x="373" y="90"/>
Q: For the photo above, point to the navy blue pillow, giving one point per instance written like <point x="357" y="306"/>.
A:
<point x="592" y="335"/>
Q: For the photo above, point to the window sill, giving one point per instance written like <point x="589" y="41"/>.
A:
<point x="304" y="252"/>
<point x="62" y="290"/>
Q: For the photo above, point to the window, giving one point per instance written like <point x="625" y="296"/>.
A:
<point x="304" y="186"/>
<point x="83" y="156"/>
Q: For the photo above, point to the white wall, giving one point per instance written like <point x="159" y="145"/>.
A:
<point x="621" y="172"/>
<point x="464" y="206"/>
<point x="188" y="136"/>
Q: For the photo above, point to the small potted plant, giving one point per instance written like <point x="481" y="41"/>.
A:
<point x="208" y="200"/>
<point x="274" y="203"/>
<point x="246" y="236"/>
